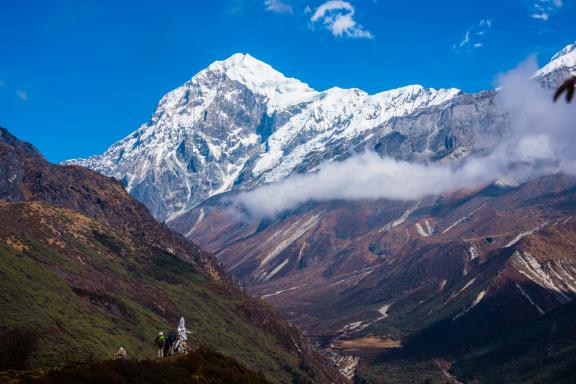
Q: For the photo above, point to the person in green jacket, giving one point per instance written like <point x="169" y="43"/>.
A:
<point x="160" y="342"/>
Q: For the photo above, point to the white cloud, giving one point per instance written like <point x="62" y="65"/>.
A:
<point x="539" y="143"/>
<point x="338" y="17"/>
<point x="542" y="9"/>
<point x="22" y="94"/>
<point x="473" y="35"/>
<point x="364" y="176"/>
<point x="278" y="6"/>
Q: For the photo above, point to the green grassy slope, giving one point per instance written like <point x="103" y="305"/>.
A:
<point x="89" y="289"/>
<point x="88" y="268"/>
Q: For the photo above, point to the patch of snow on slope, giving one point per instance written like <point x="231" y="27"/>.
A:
<point x="301" y="251"/>
<point x="528" y="266"/>
<point x="529" y="299"/>
<point x="299" y="231"/>
<point x="275" y="270"/>
<point x="464" y="218"/>
<point x="198" y="221"/>
<point x="358" y="326"/>
<point x="384" y="310"/>
<point x="279" y="292"/>
<point x="468" y="284"/>
<point x="399" y="220"/>
<point x="474" y="303"/>
<point x="424" y="232"/>
<point x="404" y="216"/>
<point x="429" y="227"/>
<point x="420" y="230"/>
<point x="506" y="182"/>
<point x="567" y="279"/>
<point x="473" y="253"/>
<point x="524" y="234"/>
<point x="442" y="285"/>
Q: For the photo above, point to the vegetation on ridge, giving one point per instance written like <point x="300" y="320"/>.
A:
<point x="199" y="367"/>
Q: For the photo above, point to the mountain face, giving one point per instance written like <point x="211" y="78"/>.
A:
<point x="560" y="68"/>
<point x="239" y="123"/>
<point x="88" y="268"/>
<point x="443" y="277"/>
<point x="27" y="176"/>
<point x="409" y="288"/>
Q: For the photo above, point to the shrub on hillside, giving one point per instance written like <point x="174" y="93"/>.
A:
<point x="17" y="348"/>
<point x="199" y="367"/>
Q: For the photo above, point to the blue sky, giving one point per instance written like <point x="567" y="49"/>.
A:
<point x="75" y="76"/>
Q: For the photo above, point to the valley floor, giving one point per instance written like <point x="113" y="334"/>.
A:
<point x="425" y="290"/>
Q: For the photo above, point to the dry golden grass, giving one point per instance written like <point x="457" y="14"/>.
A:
<point x="368" y="342"/>
<point x="16" y="245"/>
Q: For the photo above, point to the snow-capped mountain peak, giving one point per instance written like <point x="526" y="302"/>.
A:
<point x="261" y="78"/>
<point x="570" y="48"/>
<point x="564" y="59"/>
<point x="240" y="123"/>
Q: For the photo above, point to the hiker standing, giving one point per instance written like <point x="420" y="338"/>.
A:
<point x="171" y="343"/>
<point x="160" y="342"/>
